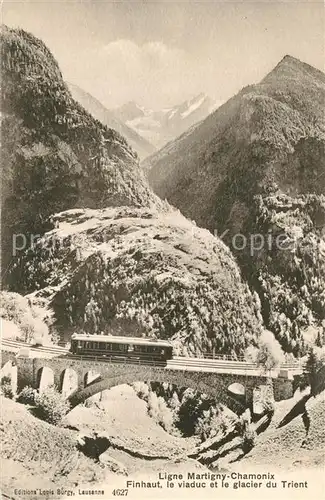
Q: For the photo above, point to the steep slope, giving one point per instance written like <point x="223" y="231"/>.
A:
<point x="256" y="166"/>
<point x="160" y="127"/>
<point x="299" y="448"/>
<point x="140" y="272"/>
<point x="120" y="259"/>
<point x="54" y="154"/>
<point x="35" y="454"/>
<point x="257" y="135"/>
<point x="98" y="110"/>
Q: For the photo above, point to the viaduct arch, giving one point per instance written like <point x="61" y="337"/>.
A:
<point x="180" y="380"/>
<point x="91" y="378"/>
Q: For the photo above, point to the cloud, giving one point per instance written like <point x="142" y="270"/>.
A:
<point x="146" y="73"/>
<point x="153" y="74"/>
<point x="142" y="53"/>
<point x="141" y="59"/>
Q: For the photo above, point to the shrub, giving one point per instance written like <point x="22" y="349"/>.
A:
<point x="198" y="414"/>
<point x="22" y="320"/>
<point x="243" y="423"/>
<point x="174" y="402"/>
<point x="6" y="388"/>
<point x="51" y="405"/>
<point x="320" y="335"/>
<point x="6" y="379"/>
<point x="315" y="362"/>
<point x="210" y="424"/>
<point x="190" y="410"/>
<point x="159" y="411"/>
<point x="27" y="396"/>
<point x="270" y="353"/>
<point x="141" y="389"/>
<point x="248" y="440"/>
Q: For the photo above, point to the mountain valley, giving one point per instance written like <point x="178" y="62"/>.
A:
<point x="160" y="127"/>
<point x="214" y="243"/>
<point x="110" y="119"/>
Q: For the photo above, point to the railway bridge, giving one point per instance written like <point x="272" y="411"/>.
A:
<point x="233" y="383"/>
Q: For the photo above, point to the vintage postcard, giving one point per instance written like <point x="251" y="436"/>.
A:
<point x="162" y="250"/>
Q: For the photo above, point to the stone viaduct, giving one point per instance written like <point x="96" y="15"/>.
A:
<point x="80" y="379"/>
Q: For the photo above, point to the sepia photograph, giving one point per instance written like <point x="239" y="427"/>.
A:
<point x="162" y="303"/>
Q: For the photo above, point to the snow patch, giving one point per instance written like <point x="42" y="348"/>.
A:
<point x="193" y="107"/>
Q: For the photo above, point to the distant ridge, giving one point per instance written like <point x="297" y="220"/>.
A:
<point x="98" y="110"/>
<point x="260" y="126"/>
<point x="165" y="125"/>
<point x="256" y="166"/>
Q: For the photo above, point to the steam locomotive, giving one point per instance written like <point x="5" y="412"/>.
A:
<point x="126" y="347"/>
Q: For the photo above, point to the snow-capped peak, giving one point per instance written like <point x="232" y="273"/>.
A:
<point x="162" y="126"/>
<point x="194" y="104"/>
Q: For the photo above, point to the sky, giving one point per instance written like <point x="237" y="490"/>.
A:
<point x="160" y="53"/>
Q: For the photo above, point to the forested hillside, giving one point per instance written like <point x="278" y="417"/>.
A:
<point x="55" y="155"/>
<point x="138" y="272"/>
<point x="255" y="170"/>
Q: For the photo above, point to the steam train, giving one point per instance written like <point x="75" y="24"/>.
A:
<point x="125" y="347"/>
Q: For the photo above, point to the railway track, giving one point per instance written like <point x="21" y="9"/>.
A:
<point x="20" y="345"/>
<point x="178" y="363"/>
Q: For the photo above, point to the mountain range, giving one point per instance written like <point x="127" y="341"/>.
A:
<point x="123" y="258"/>
<point x="108" y="118"/>
<point x="147" y="130"/>
<point x="160" y="127"/>
<point x="256" y="166"/>
<point x="101" y="251"/>
<point x="85" y="236"/>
